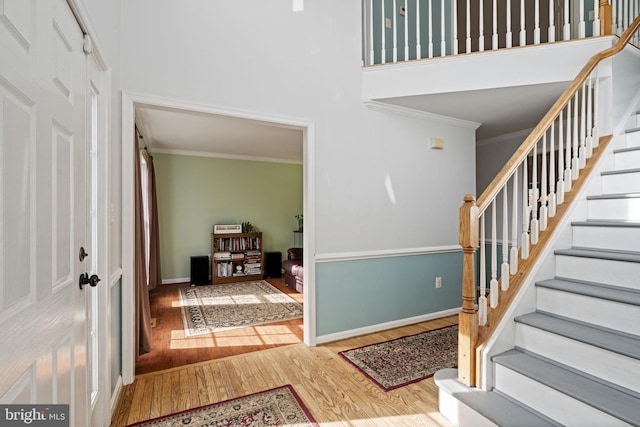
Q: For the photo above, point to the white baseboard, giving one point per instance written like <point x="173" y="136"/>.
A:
<point x="323" y="339"/>
<point x="178" y="280"/>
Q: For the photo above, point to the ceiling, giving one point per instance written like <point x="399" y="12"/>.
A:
<point x="178" y="131"/>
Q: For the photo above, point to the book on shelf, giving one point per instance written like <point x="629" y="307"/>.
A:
<point x="222" y="255"/>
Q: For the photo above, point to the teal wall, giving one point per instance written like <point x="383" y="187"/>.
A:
<point x="359" y="293"/>
<point x="115" y="340"/>
<point x="194" y="193"/>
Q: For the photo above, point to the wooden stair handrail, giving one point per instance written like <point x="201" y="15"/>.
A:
<point x="472" y="338"/>
<point x="545" y="123"/>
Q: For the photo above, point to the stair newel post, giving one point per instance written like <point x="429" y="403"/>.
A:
<point x="567" y="160"/>
<point x="543" y="185"/>
<point x="468" y="317"/>
<point x="513" y="258"/>
<point x="534" y="197"/>
<point x="560" y="185"/>
<point x="524" y="244"/>
<point x="551" y="33"/>
<point x="552" y="171"/>
<point x="504" y="272"/>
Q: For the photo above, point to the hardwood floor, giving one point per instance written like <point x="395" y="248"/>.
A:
<point x="171" y="348"/>
<point x="334" y="391"/>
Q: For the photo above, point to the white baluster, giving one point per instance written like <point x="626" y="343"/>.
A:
<point x="418" y="45"/>
<point x="513" y="261"/>
<point x="575" y="162"/>
<point x="509" y="36"/>
<point x="455" y="26"/>
<point x="551" y="34"/>
<point x="582" y="152"/>
<point x="494" y="36"/>
<point x="567" y="163"/>
<point x="371" y="60"/>
<point x="504" y="274"/>
<point x="552" y="171"/>
<point x="536" y="29"/>
<point x="589" y="141"/>
<point x="481" y="28"/>
<point x="482" y="301"/>
<point x="443" y="41"/>
<point x="430" y="29"/>
<point x="596" y="18"/>
<point x="524" y="243"/>
<point x="581" y="25"/>
<point x="493" y="285"/>
<point x="383" y="57"/>
<point x="395" y="33"/>
<point x="595" y="134"/>
<point x="543" y="185"/>
<point x="535" y="227"/>
<point x="560" y="185"/>
<point x="468" y="39"/>
<point x="523" y="31"/>
<point x="625" y="15"/>
<point x="614" y="17"/>
<point x="566" y="28"/>
<point x="406" y="31"/>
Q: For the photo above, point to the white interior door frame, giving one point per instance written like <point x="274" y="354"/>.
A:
<point x="129" y="103"/>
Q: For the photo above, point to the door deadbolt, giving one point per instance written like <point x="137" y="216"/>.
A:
<point x="83" y="254"/>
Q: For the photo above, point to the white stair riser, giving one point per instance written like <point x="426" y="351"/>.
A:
<point x="609" y="314"/>
<point x="626" y="159"/>
<point x="562" y="408"/>
<point x="601" y="363"/>
<point x="633" y="139"/>
<point x="621" y="183"/>
<point x="617" y="273"/>
<point x="617" y="209"/>
<point x="620" y="238"/>
<point x="459" y="413"/>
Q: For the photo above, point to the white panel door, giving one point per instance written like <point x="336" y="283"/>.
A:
<point x="43" y="206"/>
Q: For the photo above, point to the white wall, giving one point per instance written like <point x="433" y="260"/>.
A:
<point x="378" y="186"/>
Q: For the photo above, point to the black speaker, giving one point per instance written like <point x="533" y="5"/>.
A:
<point x="199" y="270"/>
<point x="273" y="264"/>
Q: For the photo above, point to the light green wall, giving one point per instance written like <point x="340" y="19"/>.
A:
<point x="194" y="193"/>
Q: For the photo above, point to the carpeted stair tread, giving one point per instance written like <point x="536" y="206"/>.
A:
<point x="620" y="171"/>
<point x="608" y="339"/>
<point x="493" y="405"/>
<point x="606" y="223"/>
<point x="615" y="402"/>
<point x="627" y="256"/>
<point x="596" y="290"/>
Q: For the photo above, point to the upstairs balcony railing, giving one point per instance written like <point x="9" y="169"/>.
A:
<point x="403" y="30"/>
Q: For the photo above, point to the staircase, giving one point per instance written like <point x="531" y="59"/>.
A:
<point x="576" y="358"/>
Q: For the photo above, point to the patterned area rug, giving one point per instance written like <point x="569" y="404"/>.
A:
<point x="216" y="308"/>
<point x="276" y="407"/>
<point x="406" y="360"/>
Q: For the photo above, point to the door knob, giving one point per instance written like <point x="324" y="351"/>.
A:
<point x="86" y="280"/>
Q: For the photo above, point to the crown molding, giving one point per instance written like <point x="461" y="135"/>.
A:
<point x="420" y="115"/>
